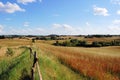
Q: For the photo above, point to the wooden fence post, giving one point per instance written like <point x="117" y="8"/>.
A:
<point x="30" y="52"/>
<point x="35" y="64"/>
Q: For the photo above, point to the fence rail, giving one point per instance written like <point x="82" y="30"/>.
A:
<point x="35" y="65"/>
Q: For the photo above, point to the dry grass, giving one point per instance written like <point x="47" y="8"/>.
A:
<point x="101" y="39"/>
<point x="14" y="42"/>
<point x="95" y="63"/>
<point x="102" y="64"/>
<point x="2" y="51"/>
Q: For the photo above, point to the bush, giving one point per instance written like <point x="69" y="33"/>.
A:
<point x="57" y="43"/>
<point x="82" y="43"/>
<point x="33" y="40"/>
<point x="66" y="43"/>
<point x="9" y="52"/>
<point x="96" y="44"/>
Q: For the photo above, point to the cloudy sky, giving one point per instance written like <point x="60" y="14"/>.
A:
<point x="43" y="17"/>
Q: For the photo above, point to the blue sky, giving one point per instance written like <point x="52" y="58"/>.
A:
<point x="69" y="17"/>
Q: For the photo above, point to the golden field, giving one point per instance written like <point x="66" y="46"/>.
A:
<point x="90" y="63"/>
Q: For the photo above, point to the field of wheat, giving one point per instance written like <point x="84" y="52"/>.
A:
<point x="93" y="63"/>
<point x="59" y="63"/>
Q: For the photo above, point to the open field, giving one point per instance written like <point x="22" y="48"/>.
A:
<point x="59" y="63"/>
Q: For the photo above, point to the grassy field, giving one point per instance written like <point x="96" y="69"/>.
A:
<point x="59" y="63"/>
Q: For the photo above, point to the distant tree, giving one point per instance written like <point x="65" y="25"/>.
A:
<point x="33" y="40"/>
<point x="96" y="44"/>
<point x="53" y="38"/>
<point x="2" y="37"/>
<point x="57" y="43"/>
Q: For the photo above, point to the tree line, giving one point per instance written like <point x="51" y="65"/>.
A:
<point x="79" y="43"/>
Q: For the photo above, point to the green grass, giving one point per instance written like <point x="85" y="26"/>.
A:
<point x="17" y="68"/>
<point x="52" y="69"/>
<point x="9" y="52"/>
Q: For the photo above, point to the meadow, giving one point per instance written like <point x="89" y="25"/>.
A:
<point x="59" y="62"/>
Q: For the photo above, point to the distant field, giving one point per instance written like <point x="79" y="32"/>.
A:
<point x="92" y="63"/>
<point x="59" y="63"/>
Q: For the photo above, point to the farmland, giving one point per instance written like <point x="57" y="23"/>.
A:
<point x="59" y="62"/>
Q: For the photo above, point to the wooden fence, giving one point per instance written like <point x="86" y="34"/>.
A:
<point x="35" y="65"/>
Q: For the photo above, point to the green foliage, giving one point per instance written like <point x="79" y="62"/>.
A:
<point x="33" y="40"/>
<point x="96" y="44"/>
<point x="17" y="68"/>
<point x="51" y="67"/>
<point x="57" y="43"/>
<point x="25" y="47"/>
<point x="10" y="52"/>
<point x="75" y="42"/>
<point x="53" y="38"/>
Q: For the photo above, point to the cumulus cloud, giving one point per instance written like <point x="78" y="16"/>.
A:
<point x="10" y="7"/>
<point x="118" y="12"/>
<point x="64" y="29"/>
<point x="115" y="2"/>
<point x="26" y="31"/>
<point x="57" y="25"/>
<point x="115" y="27"/>
<point x="26" y="24"/>
<point x="100" y="11"/>
<point x="64" y="26"/>
<point x="26" y="1"/>
<point x="87" y="24"/>
<point x="68" y="27"/>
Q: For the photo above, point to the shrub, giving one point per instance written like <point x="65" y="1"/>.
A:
<point x="57" y="43"/>
<point x="96" y="44"/>
<point x="33" y="40"/>
<point x="66" y="43"/>
<point x="82" y="43"/>
<point x="9" y="52"/>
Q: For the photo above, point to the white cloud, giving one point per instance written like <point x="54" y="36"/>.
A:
<point x="68" y="27"/>
<point x="63" y="26"/>
<point x="118" y="12"/>
<point x="1" y="28"/>
<point x="115" y="2"/>
<point x="115" y="27"/>
<point x="57" y="25"/>
<point x="26" y="1"/>
<point x="9" y="7"/>
<point x="87" y="24"/>
<point x="26" y="31"/>
<point x="40" y="0"/>
<point x="100" y="11"/>
<point x="26" y="24"/>
<point x="116" y="22"/>
<point x="64" y="29"/>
